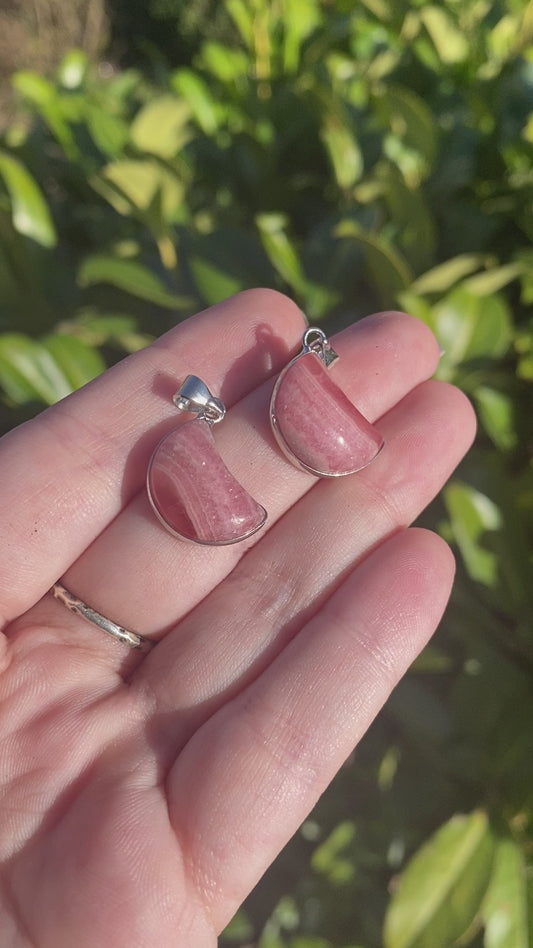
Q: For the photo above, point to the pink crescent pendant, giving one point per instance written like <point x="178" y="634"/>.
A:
<point x="313" y="421"/>
<point x="191" y="490"/>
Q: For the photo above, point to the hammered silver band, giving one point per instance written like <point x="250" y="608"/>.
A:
<point x="125" y="636"/>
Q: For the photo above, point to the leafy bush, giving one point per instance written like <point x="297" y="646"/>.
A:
<point x="358" y="155"/>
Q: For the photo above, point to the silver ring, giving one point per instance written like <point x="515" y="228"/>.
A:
<point x="133" y="639"/>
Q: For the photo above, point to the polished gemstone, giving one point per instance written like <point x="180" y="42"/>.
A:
<point x="194" y="494"/>
<point x="316" y="423"/>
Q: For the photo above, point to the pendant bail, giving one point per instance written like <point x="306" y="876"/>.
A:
<point x="315" y="340"/>
<point x="194" y="396"/>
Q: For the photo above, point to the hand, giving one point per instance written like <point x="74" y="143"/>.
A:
<point x="143" y="797"/>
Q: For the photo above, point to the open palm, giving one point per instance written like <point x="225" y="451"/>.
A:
<point x="143" y="796"/>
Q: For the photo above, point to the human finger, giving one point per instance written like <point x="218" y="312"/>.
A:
<point x="138" y="573"/>
<point x="251" y="774"/>
<point x="246" y="621"/>
<point x="67" y="473"/>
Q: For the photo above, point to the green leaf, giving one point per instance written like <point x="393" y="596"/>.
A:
<point x="412" y="214"/>
<point x="432" y="660"/>
<point x="489" y="282"/>
<point x="130" y="276"/>
<point x="441" y="890"/>
<point x="243" y="18"/>
<point x="73" y="69"/>
<point x="197" y="95"/>
<point x="506" y="910"/>
<point x="344" y="152"/>
<point x="381" y="9"/>
<point x="443" y="277"/>
<point x="42" y="95"/>
<point x="411" y="121"/>
<point x="30" y="212"/>
<point x="469" y="327"/>
<point x="300" y="18"/>
<point x="162" y="127"/>
<point x="98" y="329"/>
<point x="472" y="514"/>
<point x="496" y="411"/>
<point x="390" y="272"/>
<point x="417" y="307"/>
<point x="226" y="64"/>
<point x="213" y="282"/>
<point x="140" y="185"/>
<point x="284" y="918"/>
<point x="450" y="43"/>
<point x="29" y="372"/>
<point x="109" y="132"/>
<point x="79" y="362"/>
<point x="329" y="858"/>
<point x="280" y="250"/>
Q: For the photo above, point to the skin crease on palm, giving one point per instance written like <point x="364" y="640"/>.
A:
<point x="142" y="797"/>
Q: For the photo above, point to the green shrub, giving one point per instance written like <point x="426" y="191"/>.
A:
<point x="357" y="155"/>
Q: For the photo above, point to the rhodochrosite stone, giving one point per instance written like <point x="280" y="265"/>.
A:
<point x="193" y="493"/>
<point x="317" y="425"/>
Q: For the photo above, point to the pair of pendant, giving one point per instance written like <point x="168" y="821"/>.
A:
<point x="192" y="491"/>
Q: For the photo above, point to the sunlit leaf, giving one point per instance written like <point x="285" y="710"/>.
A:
<point x="344" y="152"/>
<point x="42" y="95"/>
<point x="502" y="39"/>
<point x="225" y="63"/>
<point x="380" y="8"/>
<point x="284" y="918"/>
<point x="30" y="212"/>
<point x="73" y="69"/>
<point x="330" y="858"/>
<point x="130" y="276"/>
<point x="410" y="120"/>
<point x="300" y="17"/>
<point x="243" y="18"/>
<point x="79" y="362"/>
<point x="441" y="890"/>
<point x="196" y="93"/>
<point x="451" y="44"/>
<point x="470" y="327"/>
<point x="432" y="660"/>
<point x="443" y="277"/>
<point x="473" y="514"/>
<point x="388" y="769"/>
<point x="108" y="132"/>
<point x="496" y="411"/>
<point x="418" y="307"/>
<point x="280" y="250"/>
<point x="162" y="126"/>
<point x="28" y="371"/>
<point x="214" y="283"/>
<point x="383" y="64"/>
<point x="489" y="282"/>
<point x="506" y="909"/>
<point x="138" y="184"/>
<point x="96" y="329"/>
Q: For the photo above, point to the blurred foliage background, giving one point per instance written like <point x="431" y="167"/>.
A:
<point x="364" y="154"/>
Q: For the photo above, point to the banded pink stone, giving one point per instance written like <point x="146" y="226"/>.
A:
<point x="194" y="494"/>
<point x="317" y="425"/>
